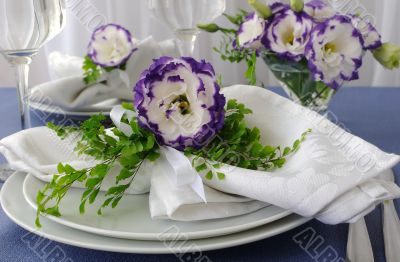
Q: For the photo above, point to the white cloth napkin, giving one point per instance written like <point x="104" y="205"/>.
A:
<point x="333" y="177"/>
<point x="38" y="151"/>
<point x="328" y="178"/>
<point x="70" y="93"/>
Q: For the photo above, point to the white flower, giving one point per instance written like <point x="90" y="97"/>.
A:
<point x="287" y="34"/>
<point x="320" y="10"/>
<point x="371" y="37"/>
<point x="335" y="51"/>
<point x="180" y="102"/>
<point x="250" y="32"/>
<point x="111" y="45"/>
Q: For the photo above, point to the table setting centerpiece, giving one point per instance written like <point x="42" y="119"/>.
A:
<point x="189" y="161"/>
<point x="310" y="47"/>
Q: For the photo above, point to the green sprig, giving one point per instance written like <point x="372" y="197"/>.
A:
<point x="240" y="146"/>
<point x="92" y="72"/>
<point x="113" y="149"/>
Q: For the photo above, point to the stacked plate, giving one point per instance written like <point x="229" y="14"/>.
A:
<point x="129" y="228"/>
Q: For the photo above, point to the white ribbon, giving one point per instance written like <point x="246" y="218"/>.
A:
<point x="184" y="174"/>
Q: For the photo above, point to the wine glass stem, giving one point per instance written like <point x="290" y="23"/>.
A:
<point x="186" y="41"/>
<point x="22" y="74"/>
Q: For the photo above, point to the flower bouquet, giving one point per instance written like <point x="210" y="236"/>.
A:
<point x="202" y="152"/>
<point x="312" y="49"/>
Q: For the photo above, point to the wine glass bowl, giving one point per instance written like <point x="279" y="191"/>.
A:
<point x="183" y="16"/>
<point x="25" y="26"/>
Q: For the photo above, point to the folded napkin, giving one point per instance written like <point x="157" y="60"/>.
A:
<point x="63" y="65"/>
<point x="334" y="177"/>
<point x="38" y="151"/>
<point x="72" y="94"/>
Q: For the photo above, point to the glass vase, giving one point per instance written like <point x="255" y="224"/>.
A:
<point x="296" y="80"/>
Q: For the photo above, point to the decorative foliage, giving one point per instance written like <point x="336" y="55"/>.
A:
<point x="111" y="148"/>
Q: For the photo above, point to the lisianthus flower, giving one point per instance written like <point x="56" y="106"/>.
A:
<point x="110" y="46"/>
<point x="288" y="33"/>
<point x="335" y="51"/>
<point x="179" y="100"/>
<point x="277" y="7"/>
<point x="388" y="55"/>
<point x="250" y="32"/>
<point x="320" y="10"/>
<point x="371" y="37"/>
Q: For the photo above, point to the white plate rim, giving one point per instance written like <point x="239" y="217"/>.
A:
<point x="128" y="246"/>
<point x="152" y="236"/>
<point x="55" y="110"/>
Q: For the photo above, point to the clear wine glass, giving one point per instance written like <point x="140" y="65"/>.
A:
<point x="25" y="26"/>
<point x="183" y="16"/>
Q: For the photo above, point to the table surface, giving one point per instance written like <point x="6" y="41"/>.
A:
<point x="371" y="113"/>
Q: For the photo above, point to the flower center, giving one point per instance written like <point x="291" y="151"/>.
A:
<point x="290" y="39"/>
<point x="182" y="103"/>
<point x="329" y="48"/>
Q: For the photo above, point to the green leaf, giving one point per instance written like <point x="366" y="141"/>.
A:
<point x="201" y="167"/>
<point x="286" y="151"/>
<point x="116" y="202"/>
<point x="40" y="196"/>
<point x="53" y="211"/>
<point x="130" y="150"/>
<point x="60" y="168"/>
<point x="100" y="170"/>
<point x="221" y="176"/>
<point x="209" y="175"/>
<point x="92" y="182"/>
<point x="37" y="222"/>
<point x="279" y="162"/>
<point x="82" y="207"/>
<point x="150" y="142"/>
<point x="256" y="149"/>
<point x="92" y="72"/>
<point x="124" y="174"/>
<point x="128" y="106"/>
<point x="93" y="196"/>
<point x="153" y="156"/>
<point x="68" y="169"/>
<point x="116" y="189"/>
<point x="110" y="140"/>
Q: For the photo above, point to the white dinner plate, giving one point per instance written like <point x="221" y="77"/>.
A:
<point x="15" y="206"/>
<point x="132" y="220"/>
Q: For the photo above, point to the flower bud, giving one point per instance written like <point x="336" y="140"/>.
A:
<point x="262" y="10"/>
<point x="211" y="28"/>
<point x="388" y="55"/>
<point x="297" y="5"/>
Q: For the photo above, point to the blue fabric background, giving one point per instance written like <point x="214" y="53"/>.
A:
<point x="373" y="114"/>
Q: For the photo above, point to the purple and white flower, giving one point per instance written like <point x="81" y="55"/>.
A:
<point x="335" y="51"/>
<point x="287" y="34"/>
<point x="110" y="46"/>
<point x="371" y="37"/>
<point x="179" y="100"/>
<point x="250" y="32"/>
<point x="277" y="7"/>
<point x="320" y="10"/>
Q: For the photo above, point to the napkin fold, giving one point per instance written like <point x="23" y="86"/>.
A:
<point x="38" y="151"/>
<point x="334" y="176"/>
<point x="70" y="93"/>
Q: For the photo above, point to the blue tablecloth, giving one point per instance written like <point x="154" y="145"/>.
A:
<point x="373" y="114"/>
